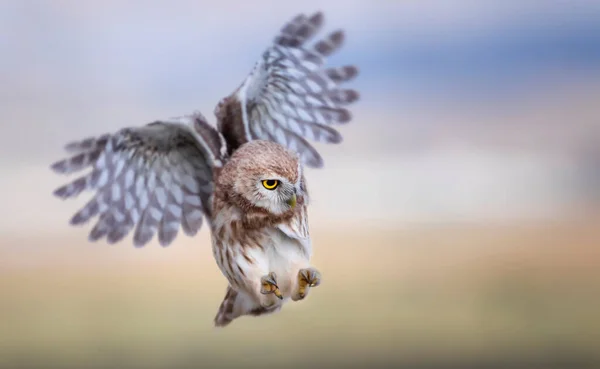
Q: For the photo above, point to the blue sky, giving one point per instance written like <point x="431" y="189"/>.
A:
<point x="169" y="51"/>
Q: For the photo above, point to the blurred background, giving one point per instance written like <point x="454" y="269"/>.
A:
<point x="457" y="225"/>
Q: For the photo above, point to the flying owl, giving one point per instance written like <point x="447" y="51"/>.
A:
<point x="244" y="178"/>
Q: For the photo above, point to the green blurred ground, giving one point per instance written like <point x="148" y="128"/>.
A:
<point x="504" y="296"/>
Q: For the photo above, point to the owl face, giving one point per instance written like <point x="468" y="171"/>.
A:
<point x="264" y="175"/>
<point x="274" y="193"/>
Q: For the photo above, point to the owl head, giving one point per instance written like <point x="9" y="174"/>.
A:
<point x="265" y="175"/>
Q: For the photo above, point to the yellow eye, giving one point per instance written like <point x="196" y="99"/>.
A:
<point x="270" y="184"/>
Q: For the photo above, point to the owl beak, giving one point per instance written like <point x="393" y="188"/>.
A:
<point x="292" y="201"/>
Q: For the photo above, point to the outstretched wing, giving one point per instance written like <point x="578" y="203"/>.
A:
<point x="289" y="97"/>
<point x="157" y="177"/>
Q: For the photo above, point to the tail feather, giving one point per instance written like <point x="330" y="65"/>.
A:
<point x="225" y="314"/>
<point x="236" y="304"/>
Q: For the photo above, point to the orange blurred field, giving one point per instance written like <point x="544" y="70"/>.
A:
<point x="438" y="296"/>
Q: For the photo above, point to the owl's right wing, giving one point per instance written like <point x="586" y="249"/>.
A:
<point x="290" y="97"/>
<point x="155" y="178"/>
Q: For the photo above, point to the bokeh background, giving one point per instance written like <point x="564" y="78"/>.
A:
<point x="457" y="225"/>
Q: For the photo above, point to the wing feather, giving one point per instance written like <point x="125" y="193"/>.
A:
<point x="290" y="97"/>
<point x="150" y="180"/>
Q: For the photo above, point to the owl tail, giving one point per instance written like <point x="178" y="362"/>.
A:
<point x="225" y="314"/>
<point x="236" y="304"/>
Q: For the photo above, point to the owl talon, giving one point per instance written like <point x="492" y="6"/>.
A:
<point x="310" y="277"/>
<point x="269" y="285"/>
<point x="307" y="278"/>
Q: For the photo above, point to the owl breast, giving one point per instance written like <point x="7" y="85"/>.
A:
<point x="245" y="257"/>
<point x="285" y="257"/>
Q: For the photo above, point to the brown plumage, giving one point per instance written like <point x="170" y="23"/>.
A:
<point x="245" y="178"/>
<point x="245" y="226"/>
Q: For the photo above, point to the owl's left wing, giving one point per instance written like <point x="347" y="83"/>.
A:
<point x="289" y="97"/>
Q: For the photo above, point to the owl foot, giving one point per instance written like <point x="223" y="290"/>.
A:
<point x="269" y="285"/>
<point x="307" y="278"/>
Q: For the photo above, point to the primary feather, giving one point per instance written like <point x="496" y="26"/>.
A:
<point x="153" y="178"/>
<point x="289" y="97"/>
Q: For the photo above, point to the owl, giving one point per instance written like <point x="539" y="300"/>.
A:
<point x="244" y="177"/>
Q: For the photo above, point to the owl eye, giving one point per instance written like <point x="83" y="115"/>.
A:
<point x="270" y="184"/>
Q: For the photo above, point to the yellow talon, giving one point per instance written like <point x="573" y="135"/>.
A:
<point x="307" y="278"/>
<point x="269" y="285"/>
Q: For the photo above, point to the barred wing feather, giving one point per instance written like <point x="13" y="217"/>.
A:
<point x="289" y="97"/>
<point x="153" y="178"/>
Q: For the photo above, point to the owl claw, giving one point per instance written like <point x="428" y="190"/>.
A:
<point x="307" y="278"/>
<point x="269" y="285"/>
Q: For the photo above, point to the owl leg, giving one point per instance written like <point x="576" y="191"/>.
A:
<point x="269" y="285"/>
<point x="256" y="278"/>
<point x="307" y="278"/>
